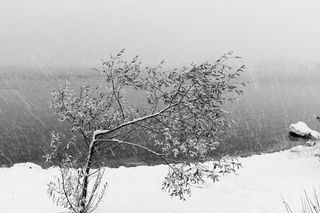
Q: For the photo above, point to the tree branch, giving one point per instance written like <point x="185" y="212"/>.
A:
<point x="65" y="193"/>
<point x="139" y="119"/>
<point x="162" y="156"/>
<point x="131" y="144"/>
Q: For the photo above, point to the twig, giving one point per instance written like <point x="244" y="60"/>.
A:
<point x="140" y="119"/>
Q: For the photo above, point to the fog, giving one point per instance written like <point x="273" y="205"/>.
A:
<point x="77" y="33"/>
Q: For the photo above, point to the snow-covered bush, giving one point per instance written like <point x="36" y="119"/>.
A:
<point x="182" y="116"/>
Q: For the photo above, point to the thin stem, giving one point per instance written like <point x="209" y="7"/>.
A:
<point x="140" y="119"/>
<point x="65" y="193"/>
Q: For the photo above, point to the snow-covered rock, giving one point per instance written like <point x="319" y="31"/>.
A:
<point x="302" y="129"/>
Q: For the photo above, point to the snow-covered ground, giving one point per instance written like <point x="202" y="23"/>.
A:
<point x="258" y="187"/>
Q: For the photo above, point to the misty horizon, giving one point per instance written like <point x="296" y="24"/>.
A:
<point x="80" y="33"/>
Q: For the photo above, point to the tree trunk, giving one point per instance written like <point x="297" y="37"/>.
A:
<point x="85" y="182"/>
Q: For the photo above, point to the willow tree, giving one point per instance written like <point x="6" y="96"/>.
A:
<point x="182" y="116"/>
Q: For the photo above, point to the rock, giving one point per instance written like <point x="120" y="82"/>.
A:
<point x="300" y="128"/>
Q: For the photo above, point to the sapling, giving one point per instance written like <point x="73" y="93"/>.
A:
<point x="181" y="114"/>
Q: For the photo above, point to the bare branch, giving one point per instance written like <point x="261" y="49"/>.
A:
<point x="140" y="119"/>
<point x="66" y="194"/>
<point x="131" y="144"/>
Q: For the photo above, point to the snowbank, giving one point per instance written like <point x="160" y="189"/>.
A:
<point x="259" y="187"/>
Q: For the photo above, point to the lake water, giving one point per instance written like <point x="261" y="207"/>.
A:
<point x="262" y="116"/>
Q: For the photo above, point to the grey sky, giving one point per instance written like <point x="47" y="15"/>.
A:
<point x="77" y="32"/>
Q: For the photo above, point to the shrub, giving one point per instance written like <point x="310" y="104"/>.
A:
<point x="182" y="116"/>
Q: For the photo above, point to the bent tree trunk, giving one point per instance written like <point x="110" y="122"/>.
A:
<point x="84" y="192"/>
